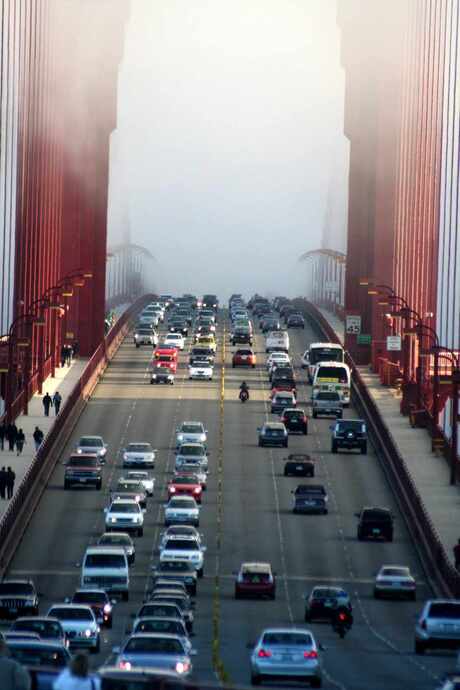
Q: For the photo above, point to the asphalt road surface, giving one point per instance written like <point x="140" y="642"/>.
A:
<point x="246" y="515"/>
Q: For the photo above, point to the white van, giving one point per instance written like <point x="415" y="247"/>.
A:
<point x="277" y="341"/>
<point x="321" y="352"/>
<point x="106" y="567"/>
<point x="333" y="377"/>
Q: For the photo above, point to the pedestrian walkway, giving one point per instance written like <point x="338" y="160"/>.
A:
<point x="64" y="381"/>
<point x="429" y="471"/>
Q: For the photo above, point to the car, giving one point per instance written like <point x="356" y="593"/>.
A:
<point x="349" y="433"/>
<point x="438" y="625"/>
<point x="38" y="653"/>
<point x="131" y="489"/>
<point x="191" y="432"/>
<point x="179" y="531"/>
<point x="189" y="452"/>
<point x="241" y="335"/>
<point x="286" y="653"/>
<point x="182" y="510"/>
<point x="255" y="579"/>
<point x="162" y="584"/>
<point x="395" y="581"/>
<point x="144" y="335"/>
<point x="185" y="485"/>
<point x="145" y="478"/>
<point x="161" y="374"/>
<point x="93" y="444"/>
<point x="181" y="570"/>
<point x="323" y="600"/>
<point x="281" y="401"/>
<point x="199" y="353"/>
<point x="280" y="358"/>
<point x="105" y="567"/>
<point x="79" y="624"/>
<point x="176" y="340"/>
<point x="207" y="341"/>
<point x="277" y="341"/>
<point x="201" y="370"/>
<point x="195" y="469"/>
<point x="161" y="624"/>
<point x="18" y="597"/>
<point x="165" y="357"/>
<point x="180" y="599"/>
<point x="244" y="357"/>
<point x="310" y="498"/>
<point x="375" y="523"/>
<point x="270" y="323"/>
<point x="299" y="465"/>
<point x="327" y="404"/>
<point x="138" y="454"/>
<point x="273" y="434"/>
<point x="98" y="600"/>
<point x="295" y="321"/>
<point x="125" y="515"/>
<point x="184" y="548"/>
<point x="155" y="649"/>
<point x="281" y="373"/>
<point x="158" y="609"/>
<point x="121" y="539"/>
<point x="48" y="629"/>
<point x="295" y="420"/>
<point x="83" y="469"/>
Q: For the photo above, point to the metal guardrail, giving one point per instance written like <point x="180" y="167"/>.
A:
<point x="426" y="538"/>
<point x="29" y="491"/>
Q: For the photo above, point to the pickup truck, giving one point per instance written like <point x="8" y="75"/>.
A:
<point x="326" y="404"/>
<point x="84" y="469"/>
<point x="310" y="498"/>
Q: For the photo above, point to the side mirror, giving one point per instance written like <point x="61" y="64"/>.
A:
<point x="357" y="515"/>
<point x="67" y="600"/>
<point x="321" y="647"/>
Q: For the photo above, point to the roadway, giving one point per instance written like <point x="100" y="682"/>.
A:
<point x="247" y="487"/>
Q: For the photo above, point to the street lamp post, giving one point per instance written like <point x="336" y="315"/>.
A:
<point x="455" y="378"/>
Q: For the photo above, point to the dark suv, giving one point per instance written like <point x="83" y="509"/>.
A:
<point x="295" y="419"/>
<point x="18" y="598"/>
<point x="349" y="433"/>
<point x="83" y="469"/>
<point x="375" y="523"/>
<point x="295" y="321"/>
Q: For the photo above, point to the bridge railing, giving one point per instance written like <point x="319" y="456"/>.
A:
<point x="29" y="491"/>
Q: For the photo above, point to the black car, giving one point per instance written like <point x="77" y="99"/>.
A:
<point x="295" y="321"/>
<point x="199" y="352"/>
<point x="178" y="326"/>
<point x="323" y="601"/>
<point x="273" y="434"/>
<point x="18" y="598"/>
<point x="375" y="523"/>
<point x="299" y="465"/>
<point x="295" y="420"/>
<point x="162" y="375"/>
<point x="349" y="433"/>
<point x="310" y="498"/>
<point x="241" y="336"/>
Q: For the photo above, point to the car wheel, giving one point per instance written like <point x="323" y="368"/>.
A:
<point x="364" y="449"/>
<point x="316" y="682"/>
<point x="255" y="679"/>
<point x="193" y="591"/>
<point x="109" y="623"/>
<point x="305" y="432"/>
<point x="334" y="447"/>
<point x="253" y="366"/>
<point x="140" y="532"/>
<point x="312" y="473"/>
<point x="390" y="537"/>
<point x="260" y="444"/>
<point x="97" y="648"/>
<point x="360" y="536"/>
<point x="419" y="647"/>
<point x="413" y="596"/>
<point x="98" y="486"/>
<point x="237" y="595"/>
<point x="125" y="596"/>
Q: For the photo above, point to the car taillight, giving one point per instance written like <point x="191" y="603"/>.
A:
<point x="312" y="654"/>
<point x="125" y="665"/>
<point x="197" y="490"/>
<point x="264" y="654"/>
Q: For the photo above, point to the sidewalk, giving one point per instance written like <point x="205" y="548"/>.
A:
<point x="65" y="380"/>
<point x="429" y="472"/>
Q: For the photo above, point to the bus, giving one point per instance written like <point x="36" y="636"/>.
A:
<point x="333" y="377"/>
<point x="321" y="352"/>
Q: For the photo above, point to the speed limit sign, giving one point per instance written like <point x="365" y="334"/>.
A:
<point x="353" y="324"/>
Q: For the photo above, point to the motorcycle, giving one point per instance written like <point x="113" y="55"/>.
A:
<point x="342" y="621"/>
<point x="244" y="395"/>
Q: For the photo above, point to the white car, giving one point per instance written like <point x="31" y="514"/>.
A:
<point x="79" y="624"/>
<point x="191" y="432"/>
<point x="194" y="468"/>
<point x="93" y="444"/>
<point x="191" y="452"/>
<point x="126" y="515"/>
<point x="182" y="510"/>
<point x="147" y="481"/>
<point x="176" y="340"/>
<point x="153" y="650"/>
<point x="305" y="359"/>
<point x="201" y="370"/>
<point x="279" y="358"/>
<point x="395" y="580"/>
<point x="179" y="531"/>
<point x="139" y="454"/>
<point x="143" y="335"/>
<point x="186" y="548"/>
<point x="163" y="624"/>
<point x="149" y="319"/>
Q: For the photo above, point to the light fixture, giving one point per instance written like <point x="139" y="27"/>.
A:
<point x="79" y="283"/>
<point x="87" y="275"/>
<point x="364" y="281"/>
<point x="373" y="292"/>
<point x="39" y="321"/>
<point x="67" y="293"/>
<point x="23" y="342"/>
<point x="383" y="303"/>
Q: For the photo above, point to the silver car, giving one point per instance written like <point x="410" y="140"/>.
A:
<point x="145" y="478"/>
<point x="157" y="650"/>
<point x="93" y="444"/>
<point x="79" y="624"/>
<point x="144" y="335"/>
<point x="171" y="626"/>
<point x="286" y="653"/>
<point x="395" y="581"/>
<point x="191" y="451"/>
<point x="438" y="626"/>
<point x="191" y="432"/>
<point x="139" y="454"/>
<point x="182" y="510"/>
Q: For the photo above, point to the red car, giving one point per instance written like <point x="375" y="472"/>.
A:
<point x="288" y="386"/>
<point x="255" y="580"/>
<point x="185" y="485"/>
<point x="165" y="357"/>
<point x="244" y="358"/>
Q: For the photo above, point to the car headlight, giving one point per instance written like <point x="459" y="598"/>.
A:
<point x="182" y="667"/>
<point x="79" y="450"/>
<point x="88" y="633"/>
<point x="107" y="608"/>
<point x="103" y="451"/>
<point x="112" y="519"/>
<point x="125" y="456"/>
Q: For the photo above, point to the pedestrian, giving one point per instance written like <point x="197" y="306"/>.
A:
<point x="3" y="482"/>
<point x="457" y="554"/>
<point x="20" y="440"/>
<point x="57" y="399"/>
<point x="2" y="435"/>
<point x="69" y="355"/>
<point x="13" y="675"/>
<point x="75" y="349"/>
<point x="11" y="433"/>
<point x="63" y="355"/>
<point x="38" y="436"/>
<point x="10" y="479"/>
<point x="47" y="402"/>
<point x="76" y="676"/>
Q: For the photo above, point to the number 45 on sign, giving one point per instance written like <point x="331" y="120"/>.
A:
<point x="353" y="324"/>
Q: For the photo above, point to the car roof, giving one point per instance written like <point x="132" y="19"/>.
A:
<point x="16" y="580"/>
<point x="102" y="548"/>
<point x="256" y="566"/>
<point x="288" y="630"/>
<point x="158" y="636"/>
<point x="36" y="644"/>
<point x="274" y="425"/>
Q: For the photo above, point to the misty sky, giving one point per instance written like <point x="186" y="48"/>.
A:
<point x="229" y="143"/>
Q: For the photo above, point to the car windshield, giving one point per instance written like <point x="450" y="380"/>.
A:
<point x="78" y="461"/>
<point x="181" y="503"/>
<point x="294" y="415"/>
<point x="327" y="593"/>
<point x="350" y="425"/>
<point x="144" y="331"/>
<point x="43" y="627"/>
<point x="139" y="448"/>
<point x="70" y="614"/>
<point x="154" y="645"/>
<point x="185" y="480"/>
<point x="181" y="545"/>
<point x="115" y="539"/>
<point x="377" y="515"/>
<point x="165" y="358"/>
<point x="89" y="598"/>
<point x="124" y="508"/>
<point x="332" y="374"/>
<point x="326" y="354"/>
<point x="173" y="336"/>
<point x="105" y="560"/>
<point x="395" y="572"/>
<point x="91" y="442"/>
<point x="160" y="626"/>
<point x="191" y="450"/>
<point x="334" y="397"/>
<point x="287" y="638"/>
<point x="133" y="487"/>
<point x="445" y="609"/>
<point x="192" y="428"/>
<point x="32" y="656"/>
<point x="16" y="588"/>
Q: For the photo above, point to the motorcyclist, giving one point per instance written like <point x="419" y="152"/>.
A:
<point x="342" y="620"/>
<point x="244" y="386"/>
<point x="244" y="391"/>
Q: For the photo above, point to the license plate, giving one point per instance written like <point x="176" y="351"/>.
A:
<point x="285" y="657"/>
<point x="375" y="531"/>
<point x="299" y="467"/>
<point x="83" y="480"/>
<point x="309" y="503"/>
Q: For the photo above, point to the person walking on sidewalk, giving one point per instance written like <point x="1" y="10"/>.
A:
<point x="57" y="399"/>
<point x="456" y="550"/>
<point x="2" y="435"/>
<point x="38" y="436"/>
<point x="10" y="479"/>
<point x="11" y="433"/>
<point x="3" y="482"/>
<point x="63" y="355"/>
<point x="47" y="402"/>
<point x="20" y="440"/>
<point x="14" y="676"/>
